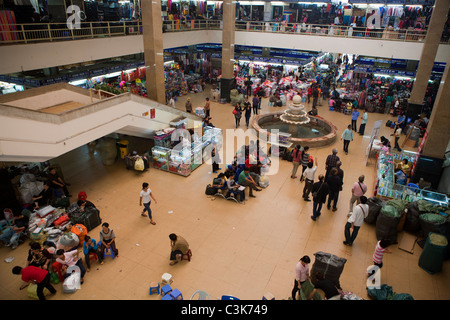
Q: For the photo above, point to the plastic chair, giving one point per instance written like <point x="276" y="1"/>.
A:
<point x="110" y="254"/>
<point x="154" y="288"/>
<point x="167" y="297"/>
<point x="93" y="256"/>
<point x="56" y="267"/>
<point x="9" y="216"/>
<point x="412" y="186"/>
<point x="165" y="290"/>
<point x="226" y="297"/>
<point x="187" y="256"/>
<point x="202" y="295"/>
<point x="175" y="294"/>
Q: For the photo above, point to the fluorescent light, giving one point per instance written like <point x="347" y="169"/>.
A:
<point x="77" y="82"/>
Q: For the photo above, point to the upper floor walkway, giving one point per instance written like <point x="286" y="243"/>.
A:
<point x="35" y="46"/>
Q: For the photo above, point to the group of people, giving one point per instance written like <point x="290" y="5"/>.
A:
<point x="247" y="109"/>
<point x="329" y="288"/>
<point x="330" y="185"/>
<point x="40" y="260"/>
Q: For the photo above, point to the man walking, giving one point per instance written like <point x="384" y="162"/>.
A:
<point x="358" y="190"/>
<point x="330" y="163"/>
<point x="334" y="186"/>
<point x="397" y="133"/>
<point x="355" y="115"/>
<point x="320" y="192"/>
<point x="308" y="176"/>
<point x="355" y="221"/>
<point x="347" y="135"/>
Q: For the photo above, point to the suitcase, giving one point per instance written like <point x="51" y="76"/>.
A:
<point x="92" y="219"/>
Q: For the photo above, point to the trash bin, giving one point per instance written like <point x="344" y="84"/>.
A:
<point x="123" y="147"/>
<point x="434" y="253"/>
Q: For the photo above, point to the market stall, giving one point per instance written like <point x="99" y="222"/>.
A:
<point x="185" y="157"/>
<point x="386" y="187"/>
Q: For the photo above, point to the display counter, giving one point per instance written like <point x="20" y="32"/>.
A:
<point x="160" y="157"/>
<point x="386" y="188"/>
<point x="180" y="161"/>
<point x="184" y="160"/>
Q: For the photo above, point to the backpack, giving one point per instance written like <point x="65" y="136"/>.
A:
<point x="210" y="191"/>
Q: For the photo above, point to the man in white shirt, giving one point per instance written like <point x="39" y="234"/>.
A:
<point x="355" y="221"/>
<point x="308" y="176"/>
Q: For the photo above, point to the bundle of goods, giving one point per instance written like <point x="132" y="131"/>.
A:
<point x="72" y="282"/>
<point x="434" y="253"/>
<point x="236" y="97"/>
<point x="89" y="217"/>
<point x="136" y="162"/>
<point x="401" y="206"/>
<point x="329" y="265"/>
<point x="68" y="241"/>
<point x="80" y="231"/>
<point x="387" y="222"/>
<point x="28" y="189"/>
<point x="431" y="222"/>
<point x="375" y="205"/>
<point x="385" y="292"/>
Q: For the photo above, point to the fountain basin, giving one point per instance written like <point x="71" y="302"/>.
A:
<point x="317" y="133"/>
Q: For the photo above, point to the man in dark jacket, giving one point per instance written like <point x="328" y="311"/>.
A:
<point x="320" y="192"/>
<point x="334" y="186"/>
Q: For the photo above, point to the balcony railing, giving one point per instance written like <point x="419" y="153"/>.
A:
<point x="32" y="33"/>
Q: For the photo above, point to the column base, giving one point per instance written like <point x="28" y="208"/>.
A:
<point x="413" y="111"/>
<point x="226" y="85"/>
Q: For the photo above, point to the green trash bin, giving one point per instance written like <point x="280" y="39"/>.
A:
<point x="434" y="253"/>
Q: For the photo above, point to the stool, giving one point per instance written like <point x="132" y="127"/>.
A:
<point x="56" y="267"/>
<point x="111" y="254"/>
<point x="166" y="279"/>
<point x="167" y="297"/>
<point x="187" y="256"/>
<point x="166" y="290"/>
<point x="93" y="256"/>
<point x="154" y="288"/>
<point x="175" y="294"/>
<point x="268" y="296"/>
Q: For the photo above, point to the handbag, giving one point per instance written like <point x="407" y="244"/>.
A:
<point x="314" y="194"/>
<point x="210" y="191"/>
<point x="234" y="111"/>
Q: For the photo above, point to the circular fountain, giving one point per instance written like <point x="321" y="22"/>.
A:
<point x="306" y="130"/>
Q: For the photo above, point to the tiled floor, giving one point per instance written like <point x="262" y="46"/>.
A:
<point x="241" y="250"/>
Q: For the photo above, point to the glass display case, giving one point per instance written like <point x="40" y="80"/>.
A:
<point x="163" y="139"/>
<point x="160" y="157"/>
<point x="196" y="156"/>
<point x="387" y="188"/>
<point x="180" y="161"/>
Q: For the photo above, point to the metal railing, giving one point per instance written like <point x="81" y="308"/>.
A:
<point x="30" y="33"/>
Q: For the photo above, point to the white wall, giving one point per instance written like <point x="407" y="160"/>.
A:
<point x="16" y="58"/>
<point x="25" y="138"/>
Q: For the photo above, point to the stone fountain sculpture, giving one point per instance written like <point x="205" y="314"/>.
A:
<point x="296" y="114"/>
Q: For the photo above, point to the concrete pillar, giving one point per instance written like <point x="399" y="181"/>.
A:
<point x="430" y="47"/>
<point x="229" y="10"/>
<point x="438" y="131"/>
<point x="153" y="49"/>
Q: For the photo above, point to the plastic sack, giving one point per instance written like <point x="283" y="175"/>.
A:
<point x="387" y="222"/>
<point x="375" y="204"/>
<point x="434" y="253"/>
<point x="330" y="265"/>
<point x="73" y="281"/>
<point x="263" y="181"/>
<point x="431" y="222"/>
<point x="32" y="291"/>
<point x="139" y="164"/>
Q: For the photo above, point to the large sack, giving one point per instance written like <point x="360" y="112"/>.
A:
<point x="431" y="222"/>
<point x="375" y="204"/>
<point x="434" y="253"/>
<point x="387" y="222"/>
<point x="68" y="241"/>
<point x="330" y="265"/>
<point x="412" y="222"/>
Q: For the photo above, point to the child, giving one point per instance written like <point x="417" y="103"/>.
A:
<point x="380" y="249"/>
